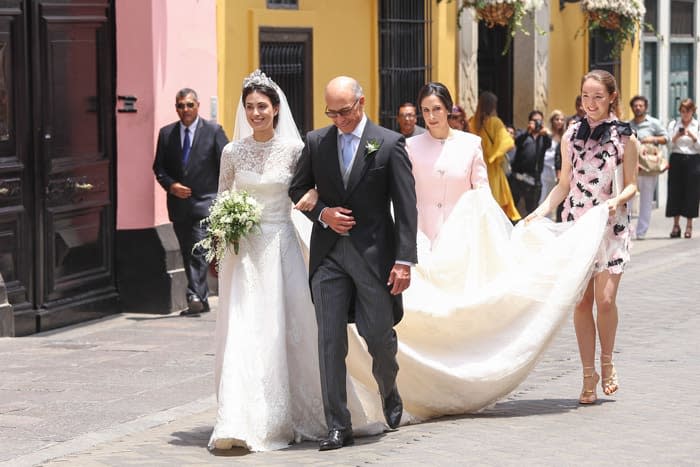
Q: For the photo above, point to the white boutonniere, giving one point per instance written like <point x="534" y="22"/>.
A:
<point x="372" y="146"/>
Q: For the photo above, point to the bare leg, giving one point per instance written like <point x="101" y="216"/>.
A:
<point x="585" y="335"/>
<point x="606" y="286"/>
<point x="584" y="324"/>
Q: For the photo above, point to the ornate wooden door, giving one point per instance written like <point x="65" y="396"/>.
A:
<point x="63" y="240"/>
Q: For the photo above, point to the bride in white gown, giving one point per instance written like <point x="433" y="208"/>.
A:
<point x="267" y="370"/>
<point x="484" y="302"/>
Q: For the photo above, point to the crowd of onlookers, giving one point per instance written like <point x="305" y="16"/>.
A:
<point x="523" y="164"/>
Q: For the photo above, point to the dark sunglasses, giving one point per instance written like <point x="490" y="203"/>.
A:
<point x="181" y="105"/>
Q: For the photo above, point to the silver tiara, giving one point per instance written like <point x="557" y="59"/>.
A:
<point x="258" y="78"/>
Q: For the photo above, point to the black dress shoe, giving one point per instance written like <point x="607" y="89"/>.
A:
<point x="336" y="440"/>
<point x="195" y="306"/>
<point x="393" y="408"/>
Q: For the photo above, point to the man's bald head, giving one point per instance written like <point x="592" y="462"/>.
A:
<point x="345" y="102"/>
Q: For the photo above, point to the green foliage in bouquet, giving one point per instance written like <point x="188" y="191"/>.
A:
<point x="232" y="216"/>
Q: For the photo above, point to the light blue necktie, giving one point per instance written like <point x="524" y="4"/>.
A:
<point x="347" y="150"/>
<point x="186" y="147"/>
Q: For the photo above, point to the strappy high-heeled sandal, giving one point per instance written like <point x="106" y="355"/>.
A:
<point x="675" y="232"/>
<point x="588" y="396"/>
<point x="688" y="231"/>
<point x="610" y="384"/>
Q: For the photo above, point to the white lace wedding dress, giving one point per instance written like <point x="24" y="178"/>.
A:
<point x="268" y="388"/>
<point x="267" y="370"/>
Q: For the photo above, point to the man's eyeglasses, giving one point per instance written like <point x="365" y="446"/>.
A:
<point x="181" y="105"/>
<point x="342" y="112"/>
<point x="407" y="116"/>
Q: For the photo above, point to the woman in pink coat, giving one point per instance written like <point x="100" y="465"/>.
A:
<point x="446" y="162"/>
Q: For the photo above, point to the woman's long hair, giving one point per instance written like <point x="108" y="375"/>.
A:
<point x="486" y="107"/>
<point x="560" y="131"/>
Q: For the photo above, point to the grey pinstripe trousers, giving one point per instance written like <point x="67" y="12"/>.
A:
<point x="344" y="280"/>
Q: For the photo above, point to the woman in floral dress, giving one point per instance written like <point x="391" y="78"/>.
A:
<point x="595" y="152"/>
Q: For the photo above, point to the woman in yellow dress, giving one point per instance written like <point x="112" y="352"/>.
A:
<point x="496" y="142"/>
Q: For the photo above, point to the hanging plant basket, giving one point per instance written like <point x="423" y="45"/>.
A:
<point x="506" y="13"/>
<point x="618" y="21"/>
<point x="607" y="19"/>
<point x="495" y="14"/>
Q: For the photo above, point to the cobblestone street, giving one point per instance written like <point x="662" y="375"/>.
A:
<point x="138" y="390"/>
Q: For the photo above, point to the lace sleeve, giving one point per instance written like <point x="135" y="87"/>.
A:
<point x="227" y="170"/>
<point x="286" y="156"/>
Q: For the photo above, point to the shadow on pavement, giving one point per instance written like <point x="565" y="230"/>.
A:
<point x="154" y="317"/>
<point x="531" y="407"/>
<point x="524" y="408"/>
<point x="198" y="436"/>
<point x="303" y="446"/>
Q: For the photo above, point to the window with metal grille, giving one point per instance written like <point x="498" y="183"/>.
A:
<point x="285" y="56"/>
<point x="404" y="55"/>
<point x="291" y="4"/>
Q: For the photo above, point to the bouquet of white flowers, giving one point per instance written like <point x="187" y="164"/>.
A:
<point x="233" y="215"/>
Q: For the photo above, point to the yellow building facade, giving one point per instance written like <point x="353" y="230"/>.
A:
<point x="345" y="41"/>
<point x="544" y="70"/>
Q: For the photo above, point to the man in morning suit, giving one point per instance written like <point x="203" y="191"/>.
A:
<point x="361" y="256"/>
<point x="187" y="167"/>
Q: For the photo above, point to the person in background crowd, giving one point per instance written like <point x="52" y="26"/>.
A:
<point x="684" y="171"/>
<point x="557" y="163"/>
<point x="549" y="171"/>
<point x="496" y="142"/>
<point x="407" y="118"/>
<point x="187" y="167"/>
<point x="651" y="134"/>
<point x="592" y="150"/>
<point x="530" y="147"/>
<point x="458" y="119"/>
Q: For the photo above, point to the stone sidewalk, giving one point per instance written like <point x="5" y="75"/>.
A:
<point x="137" y="390"/>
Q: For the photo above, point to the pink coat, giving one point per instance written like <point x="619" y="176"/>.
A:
<point x="444" y="170"/>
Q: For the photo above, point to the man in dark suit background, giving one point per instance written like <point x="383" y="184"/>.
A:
<point x="187" y="166"/>
<point x="360" y="256"/>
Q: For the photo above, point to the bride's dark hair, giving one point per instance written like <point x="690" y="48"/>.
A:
<point x="436" y="89"/>
<point x="267" y="91"/>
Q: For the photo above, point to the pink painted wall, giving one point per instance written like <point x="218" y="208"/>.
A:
<point x="162" y="46"/>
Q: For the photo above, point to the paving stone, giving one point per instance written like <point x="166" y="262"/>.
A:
<point x="138" y="390"/>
